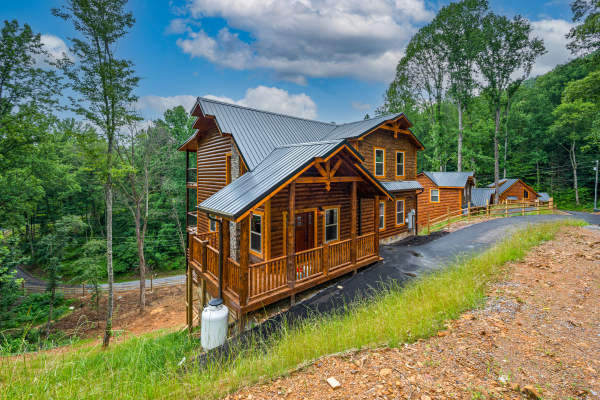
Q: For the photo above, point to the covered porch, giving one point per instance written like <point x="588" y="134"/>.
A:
<point x="331" y="233"/>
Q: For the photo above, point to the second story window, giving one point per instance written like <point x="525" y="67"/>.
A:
<point x="399" y="164"/>
<point x="379" y="162"/>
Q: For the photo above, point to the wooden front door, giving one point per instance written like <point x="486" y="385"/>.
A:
<point x="304" y="235"/>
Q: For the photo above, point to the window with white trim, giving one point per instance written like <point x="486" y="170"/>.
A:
<point x="399" y="163"/>
<point x="379" y="162"/>
<point x="400" y="212"/>
<point x="381" y="215"/>
<point x="256" y="233"/>
<point x="212" y="224"/>
<point x="331" y="224"/>
<point x="434" y="195"/>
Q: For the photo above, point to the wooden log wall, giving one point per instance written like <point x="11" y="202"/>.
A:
<point x="212" y="151"/>
<point x="449" y="197"/>
<point x="390" y="213"/>
<point x="383" y="138"/>
<point x="517" y="190"/>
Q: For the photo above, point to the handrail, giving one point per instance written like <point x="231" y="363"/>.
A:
<point x="308" y="263"/>
<point x="233" y="275"/>
<point x="268" y="261"/>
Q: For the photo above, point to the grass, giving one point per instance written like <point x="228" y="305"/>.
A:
<point x="148" y="366"/>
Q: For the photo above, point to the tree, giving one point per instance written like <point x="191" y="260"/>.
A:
<point x="459" y="24"/>
<point x="585" y="37"/>
<point x="573" y="122"/>
<point x="505" y="49"/>
<point x="145" y="157"/>
<point x="105" y="84"/>
<point x="54" y="247"/>
<point x="91" y="269"/>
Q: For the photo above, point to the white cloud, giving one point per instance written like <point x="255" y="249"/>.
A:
<point x="262" y="98"/>
<point x="553" y="32"/>
<point x="55" y="47"/>
<point x="314" y="38"/>
<point x="161" y="104"/>
<point x="359" y="105"/>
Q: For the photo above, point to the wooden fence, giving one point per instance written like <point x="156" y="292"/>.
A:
<point x="84" y="290"/>
<point x="505" y="209"/>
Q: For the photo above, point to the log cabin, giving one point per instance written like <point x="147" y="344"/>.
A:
<point x="443" y="192"/>
<point x="515" y="190"/>
<point x="300" y="202"/>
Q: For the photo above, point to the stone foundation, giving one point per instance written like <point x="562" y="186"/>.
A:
<point x="394" y="238"/>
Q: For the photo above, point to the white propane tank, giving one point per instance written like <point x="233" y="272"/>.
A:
<point x="215" y="319"/>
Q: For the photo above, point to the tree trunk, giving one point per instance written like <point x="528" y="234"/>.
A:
<point x="497" y="158"/>
<point x="474" y="168"/>
<point x="574" y="164"/>
<point x="109" y="251"/>
<point x="50" y="314"/>
<point x="460" y="137"/>
<point x="505" y="151"/>
<point x="142" y="261"/>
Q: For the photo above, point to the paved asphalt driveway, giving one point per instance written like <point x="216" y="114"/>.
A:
<point x="398" y="261"/>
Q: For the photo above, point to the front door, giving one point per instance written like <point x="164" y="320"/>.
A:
<point x="304" y="231"/>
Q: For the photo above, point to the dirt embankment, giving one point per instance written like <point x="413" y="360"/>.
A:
<point x="538" y="337"/>
<point x="165" y="308"/>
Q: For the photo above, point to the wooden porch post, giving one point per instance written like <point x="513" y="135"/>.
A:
<point x="244" y="268"/>
<point x="203" y="258"/>
<point x="226" y="251"/>
<point x="376" y="224"/>
<point x="353" y="225"/>
<point x="291" y="248"/>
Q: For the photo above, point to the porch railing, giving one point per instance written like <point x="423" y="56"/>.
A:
<point x="339" y="254"/>
<point x="212" y="237"/>
<point x="233" y="275"/>
<point x="309" y="263"/>
<point x="267" y="276"/>
<point x="365" y="246"/>
<point x="212" y="261"/>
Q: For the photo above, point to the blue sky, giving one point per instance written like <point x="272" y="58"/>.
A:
<point x="328" y="60"/>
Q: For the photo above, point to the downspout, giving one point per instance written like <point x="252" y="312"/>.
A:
<point x="416" y="227"/>
<point x="220" y="222"/>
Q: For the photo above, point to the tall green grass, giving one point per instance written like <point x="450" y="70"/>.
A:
<point x="148" y="366"/>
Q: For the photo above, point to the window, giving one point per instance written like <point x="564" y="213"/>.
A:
<point x="331" y="224"/>
<point x="379" y="162"/>
<point x="434" y="195"/>
<point x="381" y="215"/>
<point x="525" y="194"/>
<point x="256" y="233"/>
<point x="212" y="225"/>
<point x="399" y="164"/>
<point x="400" y="212"/>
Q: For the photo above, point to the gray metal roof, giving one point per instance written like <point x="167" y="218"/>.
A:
<point x="393" y="186"/>
<point x="543" y="196"/>
<point x="281" y="164"/>
<point x="504" y="184"/>
<point x="480" y="195"/>
<point x="449" y="179"/>
<point x="355" y="129"/>
<point x="256" y="133"/>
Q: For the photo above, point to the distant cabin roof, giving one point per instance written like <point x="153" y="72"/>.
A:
<point x="481" y="196"/>
<point x="544" y="196"/>
<point x="256" y="133"/>
<point x="505" y="184"/>
<point x="283" y="163"/>
<point x="449" y="179"/>
<point x="394" y="186"/>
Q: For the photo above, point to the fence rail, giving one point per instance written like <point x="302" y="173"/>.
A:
<point x="81" y="290"/>
<point x="505" y="209"/>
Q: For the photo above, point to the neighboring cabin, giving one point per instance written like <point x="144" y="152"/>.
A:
<point x="302" y="201"/>
<point x="443" y="191"/>
<point x="515" y="190"/>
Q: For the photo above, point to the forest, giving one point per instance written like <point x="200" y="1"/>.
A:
<point x="465" y="85"/>
<point x="99" y="196"/>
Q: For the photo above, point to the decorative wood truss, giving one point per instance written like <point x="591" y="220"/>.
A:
<point x="328" y="174"/>
<point x="394" y="126"/>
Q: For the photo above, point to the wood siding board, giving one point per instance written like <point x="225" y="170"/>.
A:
<point x="385" y="140"/>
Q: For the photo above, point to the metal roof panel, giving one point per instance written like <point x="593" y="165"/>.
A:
<point x="449" y="179"/>
<point x="393" y="186"/>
